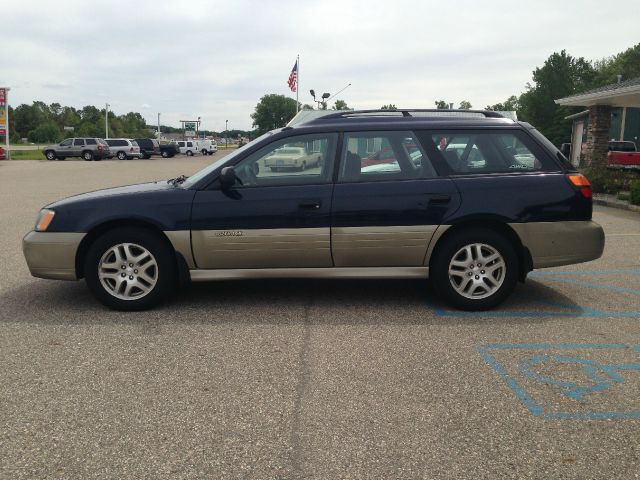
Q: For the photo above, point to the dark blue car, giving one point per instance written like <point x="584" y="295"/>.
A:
<point x="472" y="200"/>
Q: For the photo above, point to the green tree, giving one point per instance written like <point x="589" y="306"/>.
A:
<point x="626" y="64"/>
<point x="560" y="76"/>
<point x="340" y="105"/>
<point x="441" y="105"/>
<point x="47" y="132"/>
<point x="511" y="104"/>
<point x="391" y="106"/>
<point x="465" y="105"/>
<point x="273" y="111"/>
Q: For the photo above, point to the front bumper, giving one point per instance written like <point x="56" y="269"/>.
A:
<point x="552" y="244"/>
<point x="52" y="254"/>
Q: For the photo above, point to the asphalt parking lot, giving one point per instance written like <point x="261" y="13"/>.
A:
<point x="313" y="379"/>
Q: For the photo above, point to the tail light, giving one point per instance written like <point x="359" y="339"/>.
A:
<point x="131" y="149"/>
<point x="580" y="182"/>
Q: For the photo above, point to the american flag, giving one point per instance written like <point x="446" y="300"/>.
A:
<point x="293" y="77"/>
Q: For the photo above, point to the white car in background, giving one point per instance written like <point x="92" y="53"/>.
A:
<point x="207" y="147"/>
<point x="187" y="147"/>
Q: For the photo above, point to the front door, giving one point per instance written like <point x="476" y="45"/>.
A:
<point x="271" y="217"/>
<point x="388" y="201"/>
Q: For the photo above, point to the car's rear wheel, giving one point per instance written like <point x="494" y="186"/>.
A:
<point x="122" y="156"/>
<point x="204" y="151"/>
<point x="130" y="269"/>
<point x="474" y="269"/>
<point x="50" y="154"/>
<point x="165" y="154"/>
<point x="87" y="155"/>
<point x="189" y="153"/>
<point x="146" y="156"/>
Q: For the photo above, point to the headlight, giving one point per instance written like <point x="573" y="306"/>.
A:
<point x="44" y="219"/>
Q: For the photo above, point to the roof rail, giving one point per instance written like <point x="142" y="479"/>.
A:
<point x="407" y="112"/>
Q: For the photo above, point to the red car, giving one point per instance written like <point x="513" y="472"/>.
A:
<point x="3" y="154"/>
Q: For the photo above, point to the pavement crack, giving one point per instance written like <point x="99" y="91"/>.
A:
<point x="302" y="384"/>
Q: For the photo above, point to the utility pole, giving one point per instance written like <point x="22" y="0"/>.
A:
<point x="106" y="121"/>
<point x="158" y="125"/>
<point x="226" y="133"/>
<point x="6" y="124"/>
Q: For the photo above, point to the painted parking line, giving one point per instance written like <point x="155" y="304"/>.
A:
<point x="550" y="395"/>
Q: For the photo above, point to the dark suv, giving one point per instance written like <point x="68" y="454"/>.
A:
<point x="148" y="147"/>
<point x="86" y="148"/>
<point x="469" y="199"/>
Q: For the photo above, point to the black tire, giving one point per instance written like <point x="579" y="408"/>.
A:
<point x="146" y="156"/>
<point x="121" y="156"/>
<point x="204" y="151"/>
<point x="50" y="155"/>
<point x="157" y="246"/>
<point x="447" y="249"/>
<point x="165" y="154"/>
<point x="87" y="155"/>
<point x="61" y="158"/>
<point x="303" y="167"/>
<point x="189" y="153"/>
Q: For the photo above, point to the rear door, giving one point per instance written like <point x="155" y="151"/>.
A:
<point x="386" y="212"/>
<point x="268" y="219"/>
<point x="77" y="147"/>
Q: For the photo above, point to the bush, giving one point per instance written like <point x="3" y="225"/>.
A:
<point x="634" y="195"/>
<point x="606" y="180"/>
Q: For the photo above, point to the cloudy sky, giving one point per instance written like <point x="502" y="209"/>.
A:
<point x="216" y="59"/>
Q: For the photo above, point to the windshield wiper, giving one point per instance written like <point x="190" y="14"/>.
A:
<point x="177" y="180"/>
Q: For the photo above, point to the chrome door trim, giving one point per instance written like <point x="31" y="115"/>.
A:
<point x="345" y="272"/>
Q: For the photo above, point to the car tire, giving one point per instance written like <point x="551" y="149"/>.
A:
<point x="303" y="167"/>
<point x="87" y="155"/>
<point x="485" y="266"/>
<point x="140" y="288"/>
<point x="204" y="151"/>
<point x="189" y="153"/>
<point x="61" y="158"/>
<point x="165" y="154"/>
<point x="121" y="156"/>
<point x="50" y="155"/>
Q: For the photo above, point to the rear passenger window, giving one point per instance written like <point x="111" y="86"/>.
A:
<point x="91" y="141"/>
<point x="380" y="156"/>
<point x="487" y="152"/>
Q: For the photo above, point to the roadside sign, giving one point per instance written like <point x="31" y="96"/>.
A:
<point x="3" y="96"/>
<point x="190" y="129"/>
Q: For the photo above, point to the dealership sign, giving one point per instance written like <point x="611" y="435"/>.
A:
<point x="190" y="129"/>
<point x="3" y="111"/>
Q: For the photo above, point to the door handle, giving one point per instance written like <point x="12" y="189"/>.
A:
<point x="310" y="205"/>
<point x="439" y="199"/>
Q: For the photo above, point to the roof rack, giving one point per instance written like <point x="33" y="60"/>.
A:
<point x="408" y="112"/>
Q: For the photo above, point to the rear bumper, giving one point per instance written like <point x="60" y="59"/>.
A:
<point x="52" y="254"/>
<point x="552" y="244"/>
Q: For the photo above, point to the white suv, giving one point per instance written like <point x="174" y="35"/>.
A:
<point x="123" y="148"/>
<point x="188" y="147"/>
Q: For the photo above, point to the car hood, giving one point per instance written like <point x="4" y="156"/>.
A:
<point x="139" y="188"/>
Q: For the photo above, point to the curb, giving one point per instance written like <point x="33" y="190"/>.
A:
<point x="614" y="203"/>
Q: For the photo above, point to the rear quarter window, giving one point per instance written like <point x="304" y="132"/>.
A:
<point x="488" y="151"/>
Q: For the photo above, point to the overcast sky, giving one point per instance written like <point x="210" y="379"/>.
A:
<point x="216" y="59"/>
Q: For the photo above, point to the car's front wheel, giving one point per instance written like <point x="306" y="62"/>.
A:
<point x="165" y="154"/>
<point x="189" y="153"/>
<point x="474" y="269"/>
<point x="51" y="155"/>
<point x="130" y="269"/>
<point x="88" y="156"/>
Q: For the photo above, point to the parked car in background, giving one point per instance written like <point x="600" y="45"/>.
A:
<point x="187" y="147"/>
<point x="473" y="226"/>
<point x="292" y="157"/>
<point x="148" y="146"/>
<point x="207" y="147"/>
<point x="168" y="150"/>
<point x="86" y="148"/>
<point x="3" y="154"/>
<point x="623" y="155"/>
<point x="123" y="148"/>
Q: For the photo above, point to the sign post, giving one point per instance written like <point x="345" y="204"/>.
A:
<point x="4" y="119"/>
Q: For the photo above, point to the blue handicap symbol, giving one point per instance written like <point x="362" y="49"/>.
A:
<point x="599" y="377"/>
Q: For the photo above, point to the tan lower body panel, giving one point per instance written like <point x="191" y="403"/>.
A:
<point x="181" y="241"/>
<point x="52" y="254"/>
<point x="381" y="246"/>
<point x="345" y="272"/>
<point x="262" y="248"/>
<point x="552" y="244"/>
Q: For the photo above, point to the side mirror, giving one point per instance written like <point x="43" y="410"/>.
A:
<point x="566" y="149"/>
<point x="227" y="177"/>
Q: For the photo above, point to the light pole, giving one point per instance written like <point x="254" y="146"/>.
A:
<point x="158" y="126"/>
<point x="106" y="121"/>
<point x="322" y="104"/>
<point x="226" y="133"/>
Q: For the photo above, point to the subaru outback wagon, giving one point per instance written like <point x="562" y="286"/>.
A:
<point x="471" y="200"/>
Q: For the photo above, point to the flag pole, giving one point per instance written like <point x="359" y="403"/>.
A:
<point x="298" y="85"/>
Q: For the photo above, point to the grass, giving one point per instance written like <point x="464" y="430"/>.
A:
<point x="27" y="155"/>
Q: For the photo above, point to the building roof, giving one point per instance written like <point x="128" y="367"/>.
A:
<point x="621" y="94"/>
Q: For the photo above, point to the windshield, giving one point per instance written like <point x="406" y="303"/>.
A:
<point x="196" y="177"/>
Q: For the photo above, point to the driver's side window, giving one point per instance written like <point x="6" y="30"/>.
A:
<point x="299" y="160"/>
<point x="66" y="143"/>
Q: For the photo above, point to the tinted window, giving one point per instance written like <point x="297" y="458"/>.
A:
<point x="379" y="156"/>
<point x="189" y="144"/>
<point x="66" y="142"/>
<point x="488" y="152"/>
<point x="91" y="141"/>
<point x="78" y="142"/>
<point x="290" y="161"/>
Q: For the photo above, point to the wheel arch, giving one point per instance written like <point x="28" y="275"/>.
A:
<point x="97" y="230"/>
<point x="525" y="262"/>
